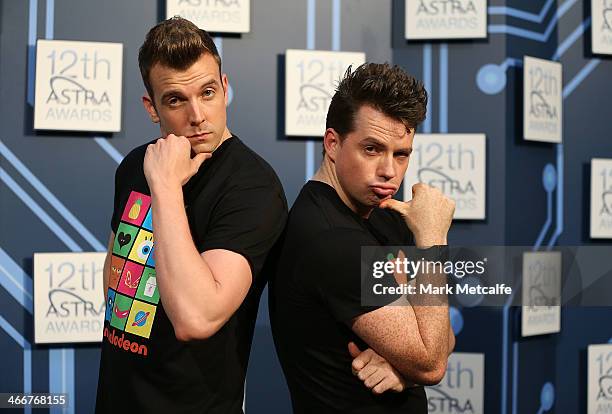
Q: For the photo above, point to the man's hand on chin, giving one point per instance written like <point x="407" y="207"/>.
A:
<point x="168" y="162"/>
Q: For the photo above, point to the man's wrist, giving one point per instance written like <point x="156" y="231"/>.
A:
<point x="160" y="186"/>
<point x="166" y="190"/>
<point x="436" y="253"/>
<point x="425" y="243"/>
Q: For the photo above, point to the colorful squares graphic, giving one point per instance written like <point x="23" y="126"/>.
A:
<point x="115" y="271"/>
<point x="148" y="221"/>
<point x="128" y="284"/>
<point x="121" y="310"/>
<point x="142" y="247"/>
<point x="124" y="239"/>
<point x="141" y="319"/>
<point x="151" y="259"/>
<point x="147" y="290"/>
<point x="136" y="208"/>
<point x="109" y="304"/>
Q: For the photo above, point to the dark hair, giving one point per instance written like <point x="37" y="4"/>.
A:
<point x="176" y="43"/>
<point x="388" y="89"/>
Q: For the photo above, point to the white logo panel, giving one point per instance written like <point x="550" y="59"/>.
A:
<point x="78" y="86"/>
<point x="454" y="163"/>
<point x="218" y="16"/>
<point x="601" y="26"/>
<point x="456" y="19"/>
<point x="68" y="297"/>
<point x="310" y="82"/>
<point x="600" y="379"/>
<point x="542" y="100"/>
<point x="541" y="310"/>
<point x="601" y="198"/>
<point x="462" y="388"/>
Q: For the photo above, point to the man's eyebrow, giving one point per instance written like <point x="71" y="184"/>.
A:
<point x="171" y="92"/>
<point x="212" y="81"/>
<point x="371" y="140"/>
<point x="377" y="142"/>
<point x="206" y="84"/>
<point x="407" y="150"/>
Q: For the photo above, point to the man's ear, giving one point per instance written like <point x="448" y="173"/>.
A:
<point x="331" y="143"/>
<point x="225" y="84"/>
<point x="147" y="102"/>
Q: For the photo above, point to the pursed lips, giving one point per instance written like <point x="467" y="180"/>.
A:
<point x="384" y="190"/>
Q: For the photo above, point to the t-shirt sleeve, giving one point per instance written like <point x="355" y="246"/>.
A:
<point x="336" y="263"/>
<point x="117" y="198"/>
<point x="247" y="221"/>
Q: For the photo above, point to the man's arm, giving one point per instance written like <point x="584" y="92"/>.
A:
<point x="106" y="270"/>
<point x="378" y="374"/>
<point x="374" y="371"/>
<point x="414" y="338"/>
<point x="199" y="292"/>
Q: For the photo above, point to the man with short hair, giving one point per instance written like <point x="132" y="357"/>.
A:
<point x="196" y="213"/>
<point x="338" y="355"/>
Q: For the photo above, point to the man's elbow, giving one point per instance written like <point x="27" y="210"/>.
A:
<point x="428" y="374"/>
<point x="196" y="330"/>
<point x="432" y="377"/>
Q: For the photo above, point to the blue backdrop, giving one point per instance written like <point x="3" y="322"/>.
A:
<point x="56" y="189"/>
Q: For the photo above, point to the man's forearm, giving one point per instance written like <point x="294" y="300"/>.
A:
<point x="432" y="316"/>
<point x="186" y="284"/>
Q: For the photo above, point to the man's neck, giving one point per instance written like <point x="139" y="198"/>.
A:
<point x="327" y="174"/>
<point x="226" y="135"/>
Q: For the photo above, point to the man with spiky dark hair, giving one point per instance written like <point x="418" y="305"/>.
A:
<point x="196" y="213"/>
<point x="337" y="354"/>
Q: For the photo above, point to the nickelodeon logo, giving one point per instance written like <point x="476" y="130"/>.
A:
<point x="126" y="345"/>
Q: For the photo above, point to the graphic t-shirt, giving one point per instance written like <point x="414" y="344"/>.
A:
<point x="316" y="293"/>
<point x="234" y="202"/>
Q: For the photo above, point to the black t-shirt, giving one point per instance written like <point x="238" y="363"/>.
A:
<point x="314" y="295"/>
<point x="234" y="202"/>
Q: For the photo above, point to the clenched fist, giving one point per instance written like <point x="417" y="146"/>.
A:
<point x="428" y="215"/>
<point x="167" y="163"/>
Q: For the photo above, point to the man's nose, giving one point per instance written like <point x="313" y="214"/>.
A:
<point x="386" y="167"/>
<point x="196" y="113"/>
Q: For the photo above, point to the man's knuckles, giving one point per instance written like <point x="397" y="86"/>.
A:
<point x="370" y="382"/>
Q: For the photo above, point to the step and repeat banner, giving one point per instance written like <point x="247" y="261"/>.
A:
<point x="78" y="87"/>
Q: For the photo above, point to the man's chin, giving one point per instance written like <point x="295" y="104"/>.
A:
<point x="203" y="147"/>
<point x="374" y="201"/>
<point x="381" y="199"/>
